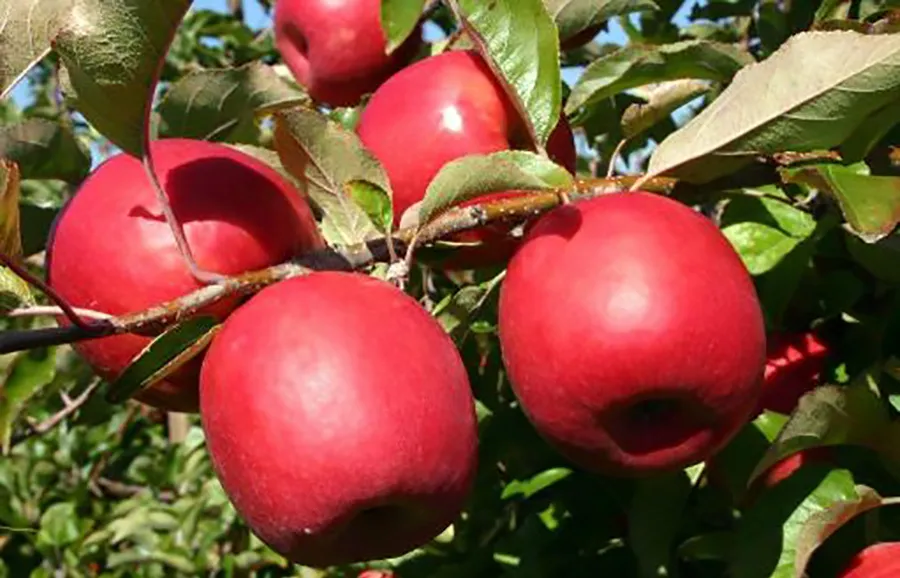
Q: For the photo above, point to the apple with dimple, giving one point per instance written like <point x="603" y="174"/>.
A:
<point x="111" y="249"/>
<point x="438" y="110"/>
<point x="339" y="419"/>
<point x="794" y="366"/>
<point x="878" y="561"/>
<point x="337" y="48"/>
<point x="632" y="334"/>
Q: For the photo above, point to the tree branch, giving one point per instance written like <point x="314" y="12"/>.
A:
<point x="358" y="257"/>
<point x="121" y="490"/>
<point x="45" y="311"/>
<point x="71" y="406"/>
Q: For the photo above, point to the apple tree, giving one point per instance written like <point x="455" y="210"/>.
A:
<point x="440" y="288"/>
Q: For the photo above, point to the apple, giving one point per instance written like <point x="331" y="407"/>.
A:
<point x="878" y="561"/>
<point x="632" y="334"/>
<point x="337" y="48"/>
<point x="438" y="110"/>
<point x="822" y="455"/>
<point x="339" y="419"/>
<point x="111" y="249"/>
<point x="791" y="464"/>
<point x="794" y="365"/>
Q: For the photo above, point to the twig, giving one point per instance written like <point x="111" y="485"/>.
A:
<point x="45" y="289"/>
<point x="51" y="422"/>
<point x="514" y="210"/>
<point x="615" y="156"/>
<point x="179" y="424"/>
<point x="49" y="311"/>
<point x="121" y="490"/>
<point x="455" y="220"/>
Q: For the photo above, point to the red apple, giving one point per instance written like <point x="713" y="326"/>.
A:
<point x="438" y="110"/>
<point x="632" y="334"/>
<point x="337" y="48"/>
<point x="787" y="468"/>
<point x="878" y="561"/>
<point x="794" y="364"/>
<point x="791" y="464"/>
<point x="112" y="250"/>
<point x="363" y="426"/>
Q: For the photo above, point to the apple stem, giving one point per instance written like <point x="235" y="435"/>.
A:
<point x="201" y="275"/>
<point x="614" y="157"/>
<point x="45" y="311"/>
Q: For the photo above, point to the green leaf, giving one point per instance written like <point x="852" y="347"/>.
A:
<point x="519" y="39"/>
<point x="660" y="100"/>
<point x="456" y="311"/>
<point x="764" y="230"/>
<point x="575" y="16"/>
<point x="820" y="86"/>
<point x="14" y="291"/>
<point x="59" y="525"/>
<point x="165" y="354"/>
<point x="870" y="132"/>
<point x="39" y="204"/>
<point x="217" y="104"/>
<point x="829" y="415"/>
<point x="325" y="157"/>
<point x="654" y="519"/>
<point x="530" y="487"/>
<point x="477" y="175"/>
<point x="139" y="558"/>
<point x="636" y="65"/>
<point x="712" y="546"/>
<point x="45" y="150"/>
<point x="10" y="237"/>
<point x="113" y="51"/>
<point x="731" y="468"/>
<point x="375" y="202"/>
<point x="399" y="18"/>
<point x="824" y="523"/>
<point x="870" y="204"/>
<point x="28" y="373"/>
<point x="829" y="9"/>
<point x="767" y="540"/>
<point x="26" y="30"/>
<point x="881" y="259"/>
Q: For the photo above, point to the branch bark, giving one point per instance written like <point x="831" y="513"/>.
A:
<point x="51" y="422"/>
<point x="359" y="257"/>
